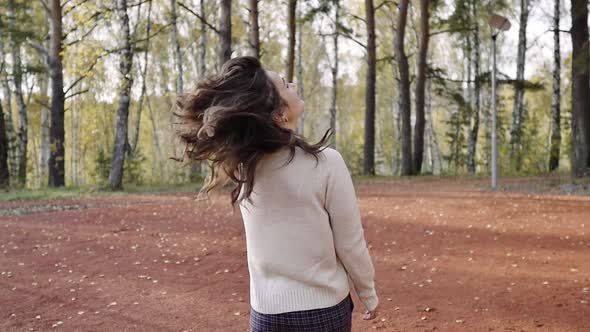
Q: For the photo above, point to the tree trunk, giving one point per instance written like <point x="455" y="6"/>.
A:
<point x="556" y="97"/>
<point x="404" y="90"/>
<point x="4" y="175"/>
<point x="125" y="64"/>
<point x="474" y="129"/>
<point x="433" y="141"/>
<point x="74" y="110"/>
<point x="225" y="32"/>
<point x="158" y="154"/>
<point x="420" y="86"/>
<point x="203" y="43"/>
<point x="300" y="87"/>
<point x="580" y="90"/>
<point x="254" y="30"/>
<point x="333" y="109"/>
<point x="369" y="152"/>
<point x="518" y="109"/>
<point x="143" y="72"/>
<point x="17" y="77"/>
<point x="291" y="47"/>
<point x="10" y="133"/>
<point x="176" y="45"/>
<point x="56" y="128"/>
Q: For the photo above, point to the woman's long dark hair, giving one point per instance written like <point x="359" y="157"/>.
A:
<point x="228" y="120"/>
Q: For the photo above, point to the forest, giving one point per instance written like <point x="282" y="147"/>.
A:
<point x="87" y="87"/>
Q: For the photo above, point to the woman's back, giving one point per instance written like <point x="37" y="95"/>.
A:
<point x="292" y="247"/>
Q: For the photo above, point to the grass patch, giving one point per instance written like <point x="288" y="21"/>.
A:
<point x="80" y="192"/>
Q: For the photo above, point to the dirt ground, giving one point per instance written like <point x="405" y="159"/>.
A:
<point x="449" y="256"/>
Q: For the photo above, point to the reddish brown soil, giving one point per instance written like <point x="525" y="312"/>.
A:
<point x="448" y="257"/>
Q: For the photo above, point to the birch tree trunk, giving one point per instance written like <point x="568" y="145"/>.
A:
<point x="333" y="109"/>
<point x="300" y="87"/>
<point x="518" y="109"/>
<point x="369" y="152"/>
<point x="176" y="45"/>
<point x="404" y="90"/>
<point x="474" y="128"/>
<point x="56" y="130"/>
<point x="554" y="151"/>
<point x="254" y="29"/>
<point x="418" y="151"/>
<point x="9" y="122"/>
<point x="4" y="175"/>
<point x="125" y="65"/>
<point x="17" y="77"/>
<point x="143" y="72"/>
<point x="433" y="141"/>
<point x="203" y="43"/>
<point x="580" y="88"/>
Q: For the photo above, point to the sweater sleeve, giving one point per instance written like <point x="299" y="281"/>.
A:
<point x="349" y="241"/>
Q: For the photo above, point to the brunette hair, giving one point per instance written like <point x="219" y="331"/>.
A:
<point x="228" y="120"/>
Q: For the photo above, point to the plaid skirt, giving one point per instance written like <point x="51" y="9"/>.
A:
<point x="337" y="318"/>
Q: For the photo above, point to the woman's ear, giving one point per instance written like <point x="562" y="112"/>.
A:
<point x="280" y="117"/>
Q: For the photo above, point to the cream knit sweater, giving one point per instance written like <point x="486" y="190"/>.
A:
<point x="304" y="235"/>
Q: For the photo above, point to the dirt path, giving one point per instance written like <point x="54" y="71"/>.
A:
<point x="448" y="258"/>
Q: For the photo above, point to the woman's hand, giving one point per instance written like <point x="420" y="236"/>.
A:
<point x="368" y="315"/>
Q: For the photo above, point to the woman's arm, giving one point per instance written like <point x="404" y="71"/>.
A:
<point x="345" y="219"/>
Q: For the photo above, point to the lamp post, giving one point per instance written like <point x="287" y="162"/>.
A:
<point x="498" y="23"/>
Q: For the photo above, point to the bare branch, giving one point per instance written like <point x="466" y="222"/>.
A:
<point x="358" y="18"/>
<point x="66" y="12"/>
<point x="83" y="36"/>
<point x="79" y="79"/>
<point x="75" y="94"/>
<point x="93" y="16"/>
<point x="153" y="35"/>
<point x="199" y="17"/>
<point x="354" y="40"/>
<point x="385" y="3"/>
<point x="40" y="102"/>
<point x="450" y="31"/>
<point x="137" y="4"/>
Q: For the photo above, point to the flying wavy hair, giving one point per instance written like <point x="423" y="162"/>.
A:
<point x="228" y="120"/>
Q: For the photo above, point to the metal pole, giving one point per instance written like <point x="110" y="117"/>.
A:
<point x="494" y="119"/>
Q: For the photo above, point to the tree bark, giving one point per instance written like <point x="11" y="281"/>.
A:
<point x="518" y="109"/>
<point x="56" y="129"/>
<point x="420" y="87"/>
<point x="333" y="109"/>
<point x="9" y="123"/>
<point x="143" y="72"/>
<point x="300" y="87"/>
<point x="17" y="77"/>
<point x="177" y="53"/>
<point x="254" y="29"/>
<point x="433" y="141"/>
<point x="225" y="32"/>
<point x="404" y="90"/>
<point x="291" y="47"/>
<point x="474" y="129"/>
<point x="203" y="43"/>
<point x="125" y="65"/>
<point x="554" y="151"/>
<point x="580" y="89"/>
<point x="369" y="152"/>
<point x="4" y="175"/>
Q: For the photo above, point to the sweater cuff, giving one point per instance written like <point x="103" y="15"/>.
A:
<point x="370" y="302"/>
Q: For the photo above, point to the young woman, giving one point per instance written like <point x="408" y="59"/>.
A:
<point x="303" y="228"/>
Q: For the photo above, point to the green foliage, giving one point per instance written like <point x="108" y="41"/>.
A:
<point x="132" y="169"/>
